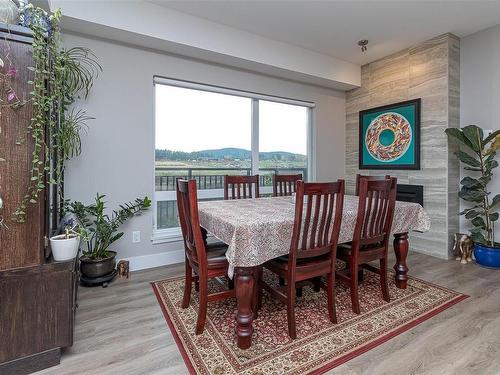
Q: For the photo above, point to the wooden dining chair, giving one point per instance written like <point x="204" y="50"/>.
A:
<point x="198" y="260"/>
<point x="218" y="246"/>
<point x="370" y="240"/>
<point x="241" y="187"/>
<point x="370" y="178"/>
<point x="313" y="247"/>
<point x="285" y="184"/>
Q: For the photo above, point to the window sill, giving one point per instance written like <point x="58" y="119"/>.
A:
<point x="172" y="235"/>
<point x="166" y="236"/>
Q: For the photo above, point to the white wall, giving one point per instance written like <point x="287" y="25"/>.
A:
<point x="118" y="151"/>
<point x="480" y="87"/>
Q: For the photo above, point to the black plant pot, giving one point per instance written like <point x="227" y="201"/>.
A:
<point x="93" y="268"/>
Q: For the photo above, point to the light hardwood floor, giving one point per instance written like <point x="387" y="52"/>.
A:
<point x="121" y="329"/>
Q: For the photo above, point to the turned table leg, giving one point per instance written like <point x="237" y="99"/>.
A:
<point x="244" y="287"/>
<point x="401" y="251"/>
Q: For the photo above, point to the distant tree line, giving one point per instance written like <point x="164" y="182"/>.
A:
<point x="172" y="155"/>
<point x="226" y="153"/>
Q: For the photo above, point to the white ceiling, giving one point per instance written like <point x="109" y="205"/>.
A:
<point x="334" y="27"/>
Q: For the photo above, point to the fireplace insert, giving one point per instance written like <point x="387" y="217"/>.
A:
<point x="410" y="193"/>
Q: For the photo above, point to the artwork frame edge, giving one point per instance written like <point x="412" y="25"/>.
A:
<point x="418" y="110"/>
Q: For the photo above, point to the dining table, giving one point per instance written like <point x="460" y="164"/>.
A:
<point x="260" y="229"/>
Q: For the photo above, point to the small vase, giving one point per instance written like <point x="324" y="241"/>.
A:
<point x="9" y="12"/>
<point x="64" y="248"/>
<point x="487" y="256"/>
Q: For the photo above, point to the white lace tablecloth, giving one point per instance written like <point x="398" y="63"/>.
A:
<point x="258" y="230"/>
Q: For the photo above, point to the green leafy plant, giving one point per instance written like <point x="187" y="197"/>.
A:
<point x="98" y="229"/>
<point x="60" y="77"/>
<point x="478" y="153"/>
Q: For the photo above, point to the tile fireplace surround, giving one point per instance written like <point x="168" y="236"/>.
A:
<point x="430" y="71"/>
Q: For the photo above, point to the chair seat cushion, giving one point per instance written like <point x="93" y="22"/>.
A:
<point x="216" y="246"/>
<point x="282" y="262"/>
<point x="348" y="245"/>
<point x="216" y="257"/>
<point x="344" y="249"/>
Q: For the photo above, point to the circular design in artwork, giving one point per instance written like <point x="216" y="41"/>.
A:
<point x="388" y="137"/>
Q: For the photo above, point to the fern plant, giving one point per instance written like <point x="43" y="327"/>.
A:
<point x="478" y="153"/>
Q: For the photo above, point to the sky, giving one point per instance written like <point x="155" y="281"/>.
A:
<point x="191" y="120"/>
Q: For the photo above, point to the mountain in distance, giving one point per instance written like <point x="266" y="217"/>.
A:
<point x="226" y="153"/>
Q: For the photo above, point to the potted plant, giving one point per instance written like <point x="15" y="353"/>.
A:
<point x="478" y="154"/>
<point x="65" y="246"/>
<point x="100" y="230"/>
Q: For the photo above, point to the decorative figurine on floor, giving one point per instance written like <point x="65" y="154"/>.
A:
<point x="463" y="248"/>
<point x="123" y="268"/>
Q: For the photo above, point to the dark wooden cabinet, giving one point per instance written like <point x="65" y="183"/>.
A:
<point x="37" y="316"/>
<point x="37" y="294"/>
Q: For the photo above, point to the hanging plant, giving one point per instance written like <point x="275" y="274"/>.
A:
<point x="60" y="77"/>
<point x="9" y="98"/>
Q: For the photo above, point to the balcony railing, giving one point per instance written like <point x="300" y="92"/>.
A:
<point x="215" y="180"/>
<point x="210" y="182"/>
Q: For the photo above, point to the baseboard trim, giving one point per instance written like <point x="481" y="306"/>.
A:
<point x="32" y="363"/>
<point x="432" y="254"/>
<point x="143" y="262"/>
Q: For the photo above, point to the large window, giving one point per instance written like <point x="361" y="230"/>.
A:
<point x="205" y="133"/>
<point x="283" y="135"/>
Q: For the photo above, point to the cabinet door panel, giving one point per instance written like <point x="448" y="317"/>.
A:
<point x="36" y="306"/>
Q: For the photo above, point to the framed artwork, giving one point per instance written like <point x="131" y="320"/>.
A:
<point x="389" y="136"/>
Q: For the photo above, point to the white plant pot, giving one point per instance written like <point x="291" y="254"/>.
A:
<point x="64" y="248"/>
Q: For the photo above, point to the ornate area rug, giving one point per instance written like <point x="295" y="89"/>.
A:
<point x="320" y="344"/>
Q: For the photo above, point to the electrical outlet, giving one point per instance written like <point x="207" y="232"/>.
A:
<point x="136" y="236"/>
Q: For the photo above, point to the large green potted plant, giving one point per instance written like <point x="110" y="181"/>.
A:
<point x="477" y="153"/>
<point x="99" y="231"/>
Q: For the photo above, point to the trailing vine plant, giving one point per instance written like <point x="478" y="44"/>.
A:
<point x="9" y="98"/>
<point x="60" y="77"/>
